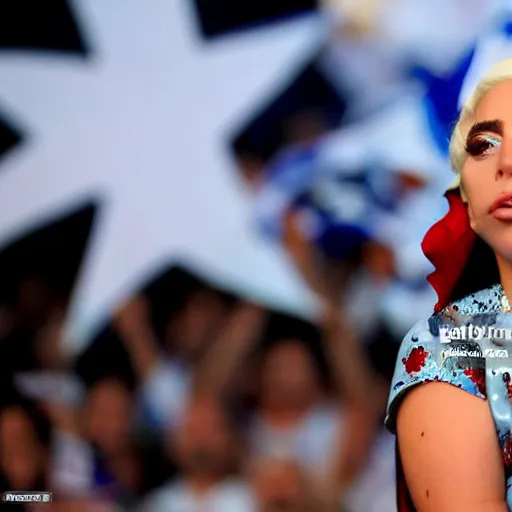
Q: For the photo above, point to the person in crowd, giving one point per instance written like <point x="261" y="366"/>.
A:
<point x="27" y="458"/>
<point x="208" y="452"/>
<point x="25" y="447"/>
<point x="108" y="417"/>
<point x="280" y="485"/>
<point x="93" y="452"/>
<point x="330" y="437"/>
<point x="292" y="410"/>
<point x="32" y="303"/>
<point x="98" y="454"/>
<point x="322" y="212"/>
<point x="166" y="375"/>
<point x="439" y="406"/>
<point x="50" y="378"/>
<point x="59" y="393"/>
<point x="34" y="300"/>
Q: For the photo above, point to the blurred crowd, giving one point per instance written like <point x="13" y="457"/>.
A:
<point x="205" y="402"/>
<point x="208" y="402"/>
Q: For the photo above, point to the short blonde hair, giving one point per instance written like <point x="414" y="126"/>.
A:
<point x="499" y="73"/>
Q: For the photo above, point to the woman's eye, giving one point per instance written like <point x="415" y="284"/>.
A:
<point x="482" y="145"/>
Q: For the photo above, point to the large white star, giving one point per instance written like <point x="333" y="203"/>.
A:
<point x="143" y="126"/>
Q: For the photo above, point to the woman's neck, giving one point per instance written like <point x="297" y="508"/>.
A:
<point x="505" y="269"/>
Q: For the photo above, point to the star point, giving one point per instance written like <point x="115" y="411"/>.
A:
<point x="143" y="124"/>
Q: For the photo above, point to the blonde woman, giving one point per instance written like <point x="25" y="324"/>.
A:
<point x="455" y="430"/>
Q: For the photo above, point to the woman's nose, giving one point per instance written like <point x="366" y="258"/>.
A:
<point x="505" y="161"/>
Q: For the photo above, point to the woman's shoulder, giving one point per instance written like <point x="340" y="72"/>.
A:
<point x="427" y="355"/>
<point x="485" y="301"/>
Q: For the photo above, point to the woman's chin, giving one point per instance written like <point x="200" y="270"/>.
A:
<point x="503" y="249"/>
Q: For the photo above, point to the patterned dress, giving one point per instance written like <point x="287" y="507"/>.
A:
<point x="423" y="357"/>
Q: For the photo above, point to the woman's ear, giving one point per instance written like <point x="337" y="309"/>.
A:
<point x="471" y="215"/>
<point x="463" y="194"/>
<point x="472" y="222"/>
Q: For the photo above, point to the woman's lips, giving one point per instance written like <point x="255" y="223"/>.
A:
<point x="501" y="209"/>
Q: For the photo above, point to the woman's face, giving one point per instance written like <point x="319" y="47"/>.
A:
<point x="487" y="172"/>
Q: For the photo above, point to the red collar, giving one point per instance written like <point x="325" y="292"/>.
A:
<point x="447" y="245"/>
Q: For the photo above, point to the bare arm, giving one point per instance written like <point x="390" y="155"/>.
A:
<point x="236" y="340"/>
<point x="361" y="410"/>
<point x="304" y="257"/>
<point x="55" y="394"/>
<point x="163" y="393"/>
<point x="354" y="376"/>
<point x="450" y="452"/>
<point x="133" y="325"/>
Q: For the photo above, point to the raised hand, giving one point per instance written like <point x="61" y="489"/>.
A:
<point x="132" y="315"/>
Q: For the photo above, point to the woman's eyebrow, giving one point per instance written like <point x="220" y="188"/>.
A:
<point x="494" y="126"/>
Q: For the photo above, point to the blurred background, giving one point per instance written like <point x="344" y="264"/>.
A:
<point x="211" y="214"/>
